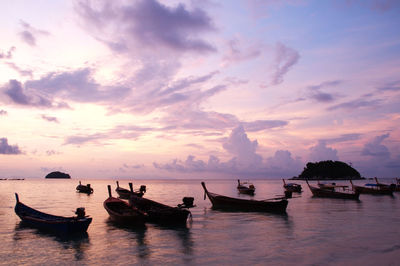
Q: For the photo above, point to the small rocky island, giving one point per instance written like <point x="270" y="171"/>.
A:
<point x="58" y="174"/>
<point x="329" y="170"/>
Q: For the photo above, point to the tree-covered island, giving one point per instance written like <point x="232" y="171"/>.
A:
<point x="330" y="170"/>
<point x="58" y="174"/>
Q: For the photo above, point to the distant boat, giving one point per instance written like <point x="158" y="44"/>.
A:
<point x="124" y="193"/>
<point x="160" y="213"/>
<point x="277" y="205"/>
<point x="292" y="187"/>
<point x="84" y="189"/>
<point x="120" y="211"/>
<point x="330" y="186"/>
<point x="393" y="187"/>
<point x="333" y="191"/>
<point x="246" y="187"/>
<point x="53" y="223"/>
<point x="372" y="189"/>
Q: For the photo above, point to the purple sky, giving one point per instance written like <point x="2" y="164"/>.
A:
<point x="199" y="89"/>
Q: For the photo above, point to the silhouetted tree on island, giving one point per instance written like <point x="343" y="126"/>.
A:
<point x="58" y="174"/>
<point x="329" y="170"/>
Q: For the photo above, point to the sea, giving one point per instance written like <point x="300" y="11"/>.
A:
<point x="314" y="231"/>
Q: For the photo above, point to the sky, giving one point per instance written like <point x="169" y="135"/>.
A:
<point x="198" y="89"/>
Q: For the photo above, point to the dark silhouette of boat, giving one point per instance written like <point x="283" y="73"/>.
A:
<point x="372" y="189"/>
<point x="124" y="193"/>
<point x="333" y="191"/>
<point x="292" y="187"/>
<point x="276" y="205"/>
<point x="84" y="189"/>
<point x="120" y="211"/>
<point x="160" y="213"/>
<point x="393" y="187"/>
<point x="53" y="223"/>
<point x="246" y="188"/>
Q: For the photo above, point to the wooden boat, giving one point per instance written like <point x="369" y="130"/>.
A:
<point x="331" y="186"/>
<point x="84" y="189"/>
<point x="160" y="213"/>
<point x="120" y="211"/>
<point x="371" y="189"/>
<point x="246" y="188"/>
<point x="333" y="191"/>
<point x="393" y="187"/>
<point x="53" y="223"/>
<point x="124" y="193"/>
<point x="277" y="205"/>
<point x="291" y="187"/>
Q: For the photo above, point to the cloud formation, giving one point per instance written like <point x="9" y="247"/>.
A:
<point x="8" y="54"/>
<point x="29" y="34"/>
<point x="286" y="58"/>
<point x="50" y="118"/>
<point x="245" y="160"/>
<point x="3" y="112"/>
<point x="362" y="102"/>
<point x="34" y="98"/>
<point x="77" y="85"/>
<point x="244" y="150"/>
<point x="321" y="152"/>
<point x="5" y="148"/>
<point x="316" y="93"/>
<point x="22" y="72"/>
<point x="375" y="148"/>
<point x="236" y="53"/>
<point x="149" y="23"/>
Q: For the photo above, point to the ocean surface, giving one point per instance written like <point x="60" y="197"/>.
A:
<point x="314" y="231"/>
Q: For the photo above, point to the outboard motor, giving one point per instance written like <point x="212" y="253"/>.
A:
<point x="142" y="189"/>
<point x="288" y="194"/>
<point x="80" y="212"/>
<point x="187" y="202"/>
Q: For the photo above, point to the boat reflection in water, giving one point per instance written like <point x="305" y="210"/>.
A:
<point x="75" y="245"/>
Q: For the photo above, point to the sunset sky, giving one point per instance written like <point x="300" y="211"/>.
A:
<point x="198" y="89"/>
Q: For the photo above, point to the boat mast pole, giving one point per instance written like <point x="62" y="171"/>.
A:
<point x="109" y="190"/>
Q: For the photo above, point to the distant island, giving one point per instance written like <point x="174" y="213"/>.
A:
<point x="330" y="170"/>
<point x="58" y="174"/>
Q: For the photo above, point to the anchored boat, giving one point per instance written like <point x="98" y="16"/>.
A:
<point x="53" y="223"/>
<point x="277" y="205"/>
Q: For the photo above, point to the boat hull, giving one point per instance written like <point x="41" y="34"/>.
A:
<point x="52" y="223"/>
<point x="121" y="212"/>
<point x="84" y="189"/>
<point x="374" y="191"/>
<point x="160" y="213"/>
<point x="235" y="204"/>
<point x="328" y="193"/>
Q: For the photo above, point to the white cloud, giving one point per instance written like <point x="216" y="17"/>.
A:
<point x="321" y="152"/>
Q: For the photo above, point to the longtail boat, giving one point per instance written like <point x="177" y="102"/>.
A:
<point x="120" y="211"/>
<point x="246" y="187"/>
<point x="372" y="189"/>
<point x="333" y="191"/>
<point x="393" y="187"/>
<point x="53" y="223"/>
<point x="124" y="193"/>
<point x="291" y="187"/>
<point x="84" y="189"/>
<point x="277" y="205"/>
<point x="160" y="213"/>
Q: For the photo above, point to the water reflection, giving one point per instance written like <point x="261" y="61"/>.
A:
<point x="78" y="243"/>
<point x="182" y="236"/>
<point x="137" y="232"/>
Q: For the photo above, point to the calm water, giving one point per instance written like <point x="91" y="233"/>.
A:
<point x="314" y="231"/>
